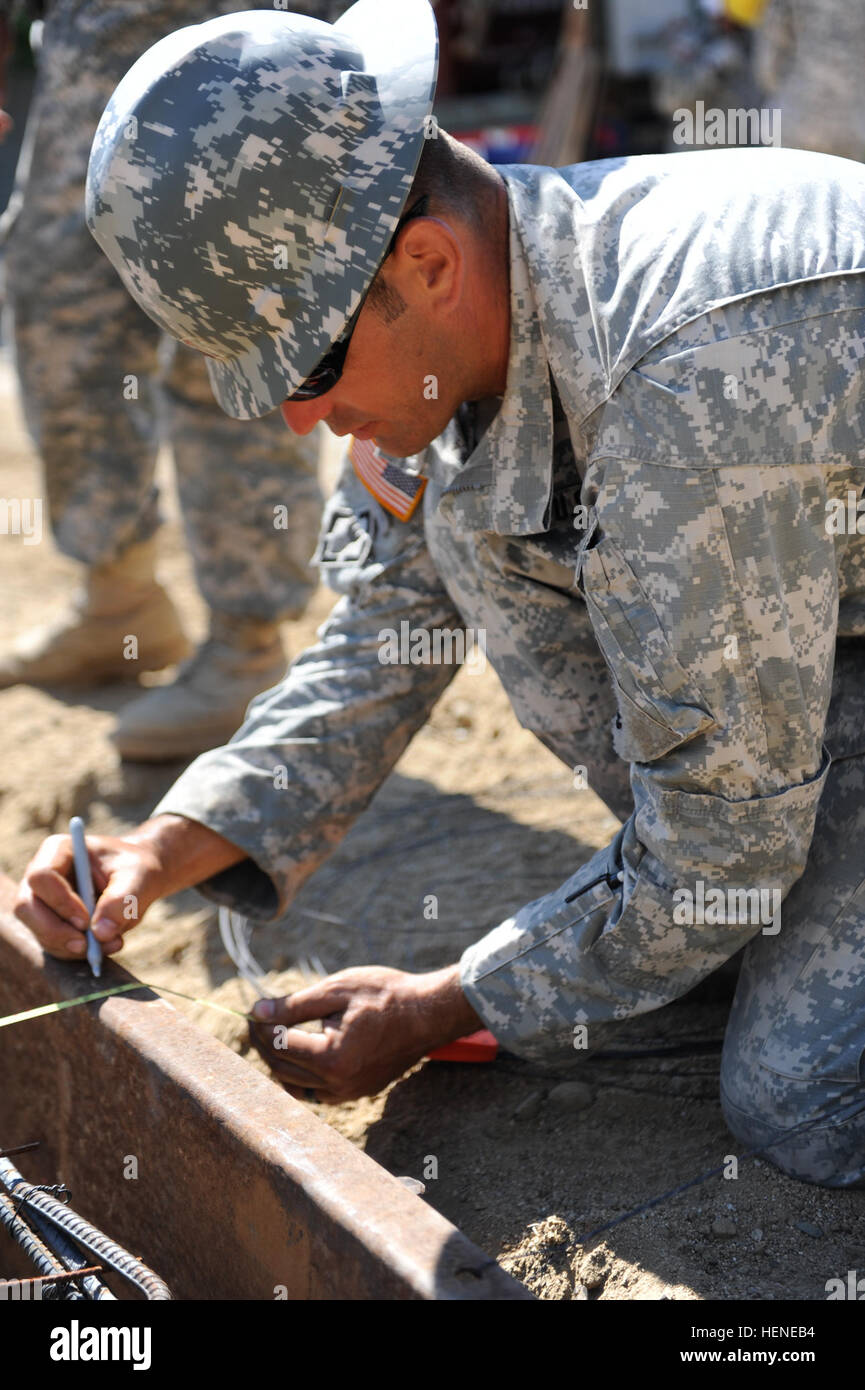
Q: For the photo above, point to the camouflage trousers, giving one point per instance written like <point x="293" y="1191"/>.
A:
<point x="794" y="1051"/>
<point x="100" y="387"/>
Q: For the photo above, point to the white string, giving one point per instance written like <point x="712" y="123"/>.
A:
<point x="236" y="933"/>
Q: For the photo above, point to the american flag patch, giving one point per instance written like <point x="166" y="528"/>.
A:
<point x="398" y="491"/>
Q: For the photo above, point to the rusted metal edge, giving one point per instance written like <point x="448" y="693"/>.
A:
<point x="201" y="1165"/>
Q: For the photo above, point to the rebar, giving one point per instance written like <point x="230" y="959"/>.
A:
<point x="70" y="1256"/>
<point x="36" y="1251"/>
<point x="83" y="1233"/>
<point x="56" y="1280"/>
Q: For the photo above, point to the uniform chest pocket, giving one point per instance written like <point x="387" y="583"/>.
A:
<point x="659" y="705"/>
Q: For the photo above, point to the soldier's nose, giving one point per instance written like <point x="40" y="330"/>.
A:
<point x="302" y="416"/>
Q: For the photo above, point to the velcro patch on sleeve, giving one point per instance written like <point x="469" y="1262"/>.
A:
<point x="398" y="491"/>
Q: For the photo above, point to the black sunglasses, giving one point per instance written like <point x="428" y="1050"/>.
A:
<point x="330" y="368"/>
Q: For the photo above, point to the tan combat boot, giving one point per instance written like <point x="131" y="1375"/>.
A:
<point x="207" y="701"/>
<point x="119" y="624"/>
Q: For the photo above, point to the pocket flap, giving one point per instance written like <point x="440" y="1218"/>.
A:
<point x="660" y="706"/>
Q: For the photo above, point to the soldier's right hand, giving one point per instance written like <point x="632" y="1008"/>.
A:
<point x="127" y="878"/>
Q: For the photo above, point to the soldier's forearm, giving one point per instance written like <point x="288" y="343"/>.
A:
<point x="313" y="751"/>
<point x="188" y="852"/>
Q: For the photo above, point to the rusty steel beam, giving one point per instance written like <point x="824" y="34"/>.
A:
<point x="240" y="1192"/>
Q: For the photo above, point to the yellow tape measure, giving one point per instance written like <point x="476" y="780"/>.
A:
<point x="45" y="1009"/>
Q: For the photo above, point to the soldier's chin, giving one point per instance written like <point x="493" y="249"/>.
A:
<point x="403" y="444"/>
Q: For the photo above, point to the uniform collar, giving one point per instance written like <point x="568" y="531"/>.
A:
<point x="505" y="484"/>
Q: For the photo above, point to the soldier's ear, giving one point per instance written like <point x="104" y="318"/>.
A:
<point x="437" y="254"/>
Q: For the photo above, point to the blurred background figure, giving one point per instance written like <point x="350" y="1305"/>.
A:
<point x="709" y="60"/>
<point x="810" y="61"/>
<point x="100" y="392"/>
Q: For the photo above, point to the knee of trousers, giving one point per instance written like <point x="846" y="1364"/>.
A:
<point x="813" y="1130"/>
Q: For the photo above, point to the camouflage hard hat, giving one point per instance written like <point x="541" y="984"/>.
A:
<point x="247" y="176"/>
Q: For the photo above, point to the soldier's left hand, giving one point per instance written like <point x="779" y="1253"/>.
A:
<point x="377" y="1023"/>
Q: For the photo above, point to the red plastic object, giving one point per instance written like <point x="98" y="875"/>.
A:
<point x="475" y="1047"/>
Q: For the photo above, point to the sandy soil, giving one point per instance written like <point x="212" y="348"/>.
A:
<point x="480" y="814"/>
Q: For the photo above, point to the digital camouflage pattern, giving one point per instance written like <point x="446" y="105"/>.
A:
<point x="248" y="174"/>
<point x="88" y="359"/>
<point x="809" y="59"/>
<point x="686" y="362"/>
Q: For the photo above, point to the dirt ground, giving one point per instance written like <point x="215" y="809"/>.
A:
<point x="480" y="814"/>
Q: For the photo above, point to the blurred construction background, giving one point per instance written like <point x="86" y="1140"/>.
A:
<point x="551" y="82"/>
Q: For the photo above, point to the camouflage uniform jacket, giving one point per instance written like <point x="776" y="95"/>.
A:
<point x="675" y="369"/>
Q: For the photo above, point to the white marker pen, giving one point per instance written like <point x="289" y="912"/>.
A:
<point x="84" y="882"/>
